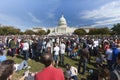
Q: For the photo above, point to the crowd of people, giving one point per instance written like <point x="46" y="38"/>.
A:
<point x="103" y="51"/>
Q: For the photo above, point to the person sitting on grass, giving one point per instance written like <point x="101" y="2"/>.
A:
<point x="71" y="72"/>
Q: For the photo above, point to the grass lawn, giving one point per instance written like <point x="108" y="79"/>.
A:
<point x="37" y="66"/>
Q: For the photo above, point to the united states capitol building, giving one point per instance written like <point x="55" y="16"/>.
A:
<point x="61" y="28"/>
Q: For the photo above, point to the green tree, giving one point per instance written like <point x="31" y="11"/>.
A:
<point x="1" y="31"/>
<point x="92" y="31"/>
<point x="41" y="32"/>
<point x="48" y="31"/>
<point x="29" y="32"/>
<point x="13" y="30"/>
<point x="80" y="32"/>
<point x="99" y="31"/>
<point x="103" y="31"/>
<point x="8" y="30"/>
<point x="116" y="29"/>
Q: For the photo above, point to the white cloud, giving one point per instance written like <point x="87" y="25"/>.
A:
<point x="105" y="15"/>
<point x="34" y="19"/>
<point x="108" y="23"/>
<point x="53" y="6"/>
<point x="51" y="12"/>
<point x="109" y="20"/>
<point x="6" y="19"/>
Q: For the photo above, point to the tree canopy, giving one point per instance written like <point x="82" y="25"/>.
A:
<point x="29" y="32"/>
<point x="116" y="29"/>
<point x="99" y="31"/>
<point x="41" y="32"/>
<point x="80" y="32"/>
<point x="11" y="30"/>
<point x="48" y="31"/>
<point x="8" y="30"/>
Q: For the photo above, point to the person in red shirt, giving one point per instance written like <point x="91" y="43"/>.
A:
<point x="49" y="72"/>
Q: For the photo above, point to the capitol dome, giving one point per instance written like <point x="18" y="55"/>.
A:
<point x="62" y="21"/>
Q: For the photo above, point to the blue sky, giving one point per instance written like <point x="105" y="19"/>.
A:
<point x="26" y="14"/>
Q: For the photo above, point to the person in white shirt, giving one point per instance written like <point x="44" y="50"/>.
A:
<point x="62" y="52"/>
<point x="96" y="43"/>
<point x="72" y="72"/>
<point x="56" y="54"/>
<point x="95" y="47"/>
<point x="26" y="50"/>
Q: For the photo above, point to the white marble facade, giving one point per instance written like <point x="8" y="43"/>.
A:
<point x="62" y="27"/>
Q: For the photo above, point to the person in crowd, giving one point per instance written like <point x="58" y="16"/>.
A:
<point x="39" y="49"/>
<point x="95" y="46"/>
<point x="115" y="53"/>
<point x="104" y="74"/>
<point x="3" y="46"/>
<point x="71" y="72"/>
<point x="44" y="45"/>
<point x="93" y="75"/>
<point x="56" y="54"/>
<point x="68" y="47"/>
<point x="48" y="46"/>
<point x="34" y="49"/>
<point x="22" y="65"/>
<point x="62" y="52"/>
<point x="2" y="57"/>
<point x="90" y="48"/>
<point x="28" y="76"/>
<point x="6" y="70"/>
<point x="69" y="51"/>
<point x="49" y="72"/>
<point x="74" y="52"/>
<point x="21" y="47"/>
<point x="12" y="46"/>
<point x="108" y="54"/>
<point x="99" y="60"/>
<point x="26" y="50"/>
<point x="106" y="45"/>
<point x="115" y="74"/>
<point x="84" y="56"/>
<point x="118" y="47"/>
